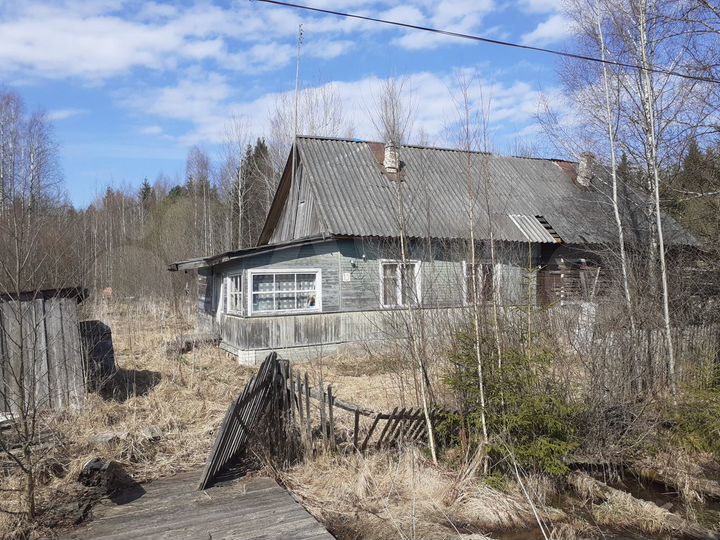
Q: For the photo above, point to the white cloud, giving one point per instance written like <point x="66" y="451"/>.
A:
<point x="63" y="114"/>
<point x="541" y="6"/>
<point x="461" y="16"/>
<point x="97" y="41"/>
<point x="207" y="104"/>
<point x="328" y="49"/>
<point x="151" y="130"/>
<point x="556" y="28"/>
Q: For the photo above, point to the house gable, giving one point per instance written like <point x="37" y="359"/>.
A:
<point x="294" y="212"/>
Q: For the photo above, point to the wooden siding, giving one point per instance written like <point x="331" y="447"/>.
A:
<point x="299" y="217"/>
<point x="324" y="257"/>
<point x="351" y="290"/>
<point x="315" y="330"/>
<point x="41" y="338"/>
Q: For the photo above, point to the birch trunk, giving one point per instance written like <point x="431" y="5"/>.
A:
<point x="615" y="201"/>
<point x="648" y="102"/>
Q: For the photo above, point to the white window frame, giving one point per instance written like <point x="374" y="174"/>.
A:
<point x="465" y="281"/>
<point x="260" y="271"/>
<point x="398" y="282"/>
<point x="229" y="292"/>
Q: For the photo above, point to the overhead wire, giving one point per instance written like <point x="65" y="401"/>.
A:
<point x="491" y="41"/>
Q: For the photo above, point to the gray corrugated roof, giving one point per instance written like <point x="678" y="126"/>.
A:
<point x="356" y="198"/>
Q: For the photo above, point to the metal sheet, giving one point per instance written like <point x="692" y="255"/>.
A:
<point x="443" y="191"/>
<point x="531" y="228"/>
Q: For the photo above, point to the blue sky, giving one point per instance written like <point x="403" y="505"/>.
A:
<point x="131" y="85"/>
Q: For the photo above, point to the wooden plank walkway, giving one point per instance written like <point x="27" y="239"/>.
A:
<point x="249" y="508"/>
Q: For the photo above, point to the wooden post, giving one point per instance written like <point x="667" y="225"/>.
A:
<point x="331" y="426"/>
<point x="356" y="430"/>
<point x="299" y="400"/>
<point x="323" y="427"/>
<point x="291" y="394"/>
<point x="308" y="424"/>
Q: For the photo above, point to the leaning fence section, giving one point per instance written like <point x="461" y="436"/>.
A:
<point x="241" y="420"/>
<point x="287" y="419"/>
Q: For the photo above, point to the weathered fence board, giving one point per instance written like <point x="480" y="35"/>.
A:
<point x="41" y="358"/>
<point x="241" y="419"/>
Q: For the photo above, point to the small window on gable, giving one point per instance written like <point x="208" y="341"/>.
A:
<point x="478" y="282"/>
<point x="400" y="283"/>
<point x="233" y="288"/>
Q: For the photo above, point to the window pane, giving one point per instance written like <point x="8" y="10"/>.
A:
<point x="234" y="293"/>
<point x="234" y="302"/>
<point x="285" y="300"/>
<point x="284" y="291"/>
<point x="263" y="302"/>
<point x="263" y="282"/>
<point x="305" y="282"/>
<point x="486" y="281"/>
<point x="284" y="282"/>
<point x="389" y="284"/>
<point x="409" y="284"/>
<point x="305" y="300"/>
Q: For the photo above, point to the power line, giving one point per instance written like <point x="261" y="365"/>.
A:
<point x="481" y="39"/>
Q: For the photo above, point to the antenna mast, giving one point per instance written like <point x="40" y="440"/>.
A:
<point x="297" y="92"/>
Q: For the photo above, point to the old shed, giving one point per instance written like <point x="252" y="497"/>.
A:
<point x="41" y="354"/>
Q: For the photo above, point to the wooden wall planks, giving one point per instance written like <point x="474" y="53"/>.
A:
<point x="40" y="339"/>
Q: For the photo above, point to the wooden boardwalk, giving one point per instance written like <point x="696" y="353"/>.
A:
<point x="173" y="508"/>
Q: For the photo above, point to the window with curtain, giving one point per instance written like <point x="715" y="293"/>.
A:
<point x="286" y="290"/>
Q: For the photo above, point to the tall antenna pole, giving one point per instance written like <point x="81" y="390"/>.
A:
<point x="297" y="92"/>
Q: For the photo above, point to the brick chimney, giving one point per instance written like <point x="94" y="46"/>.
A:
<point x="391" y="162"/>
<point x="585" y="169"/>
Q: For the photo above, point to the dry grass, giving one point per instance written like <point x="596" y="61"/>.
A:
<point x="388" y="495"/>
<point x="185" y="396"/>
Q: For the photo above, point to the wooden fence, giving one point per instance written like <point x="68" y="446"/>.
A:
<point x="41" y="357"/>
<point x="280" y="411"/>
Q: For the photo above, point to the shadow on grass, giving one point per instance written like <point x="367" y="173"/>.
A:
<point x="127" y="383"/>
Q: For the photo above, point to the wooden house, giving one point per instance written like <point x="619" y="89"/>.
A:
<point x="360" y="232"/>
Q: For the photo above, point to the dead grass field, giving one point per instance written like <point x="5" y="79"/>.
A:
<point x="402" y="495"/>
<point x="184" y="396"/>
<point x="385" y="494"/>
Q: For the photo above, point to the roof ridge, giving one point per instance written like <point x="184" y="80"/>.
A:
<point x="426" y="147"/>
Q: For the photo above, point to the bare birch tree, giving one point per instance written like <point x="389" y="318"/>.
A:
<point x="393" y="119"/>
<point x="34" y="247"/>
<point x="319" y="112"/>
